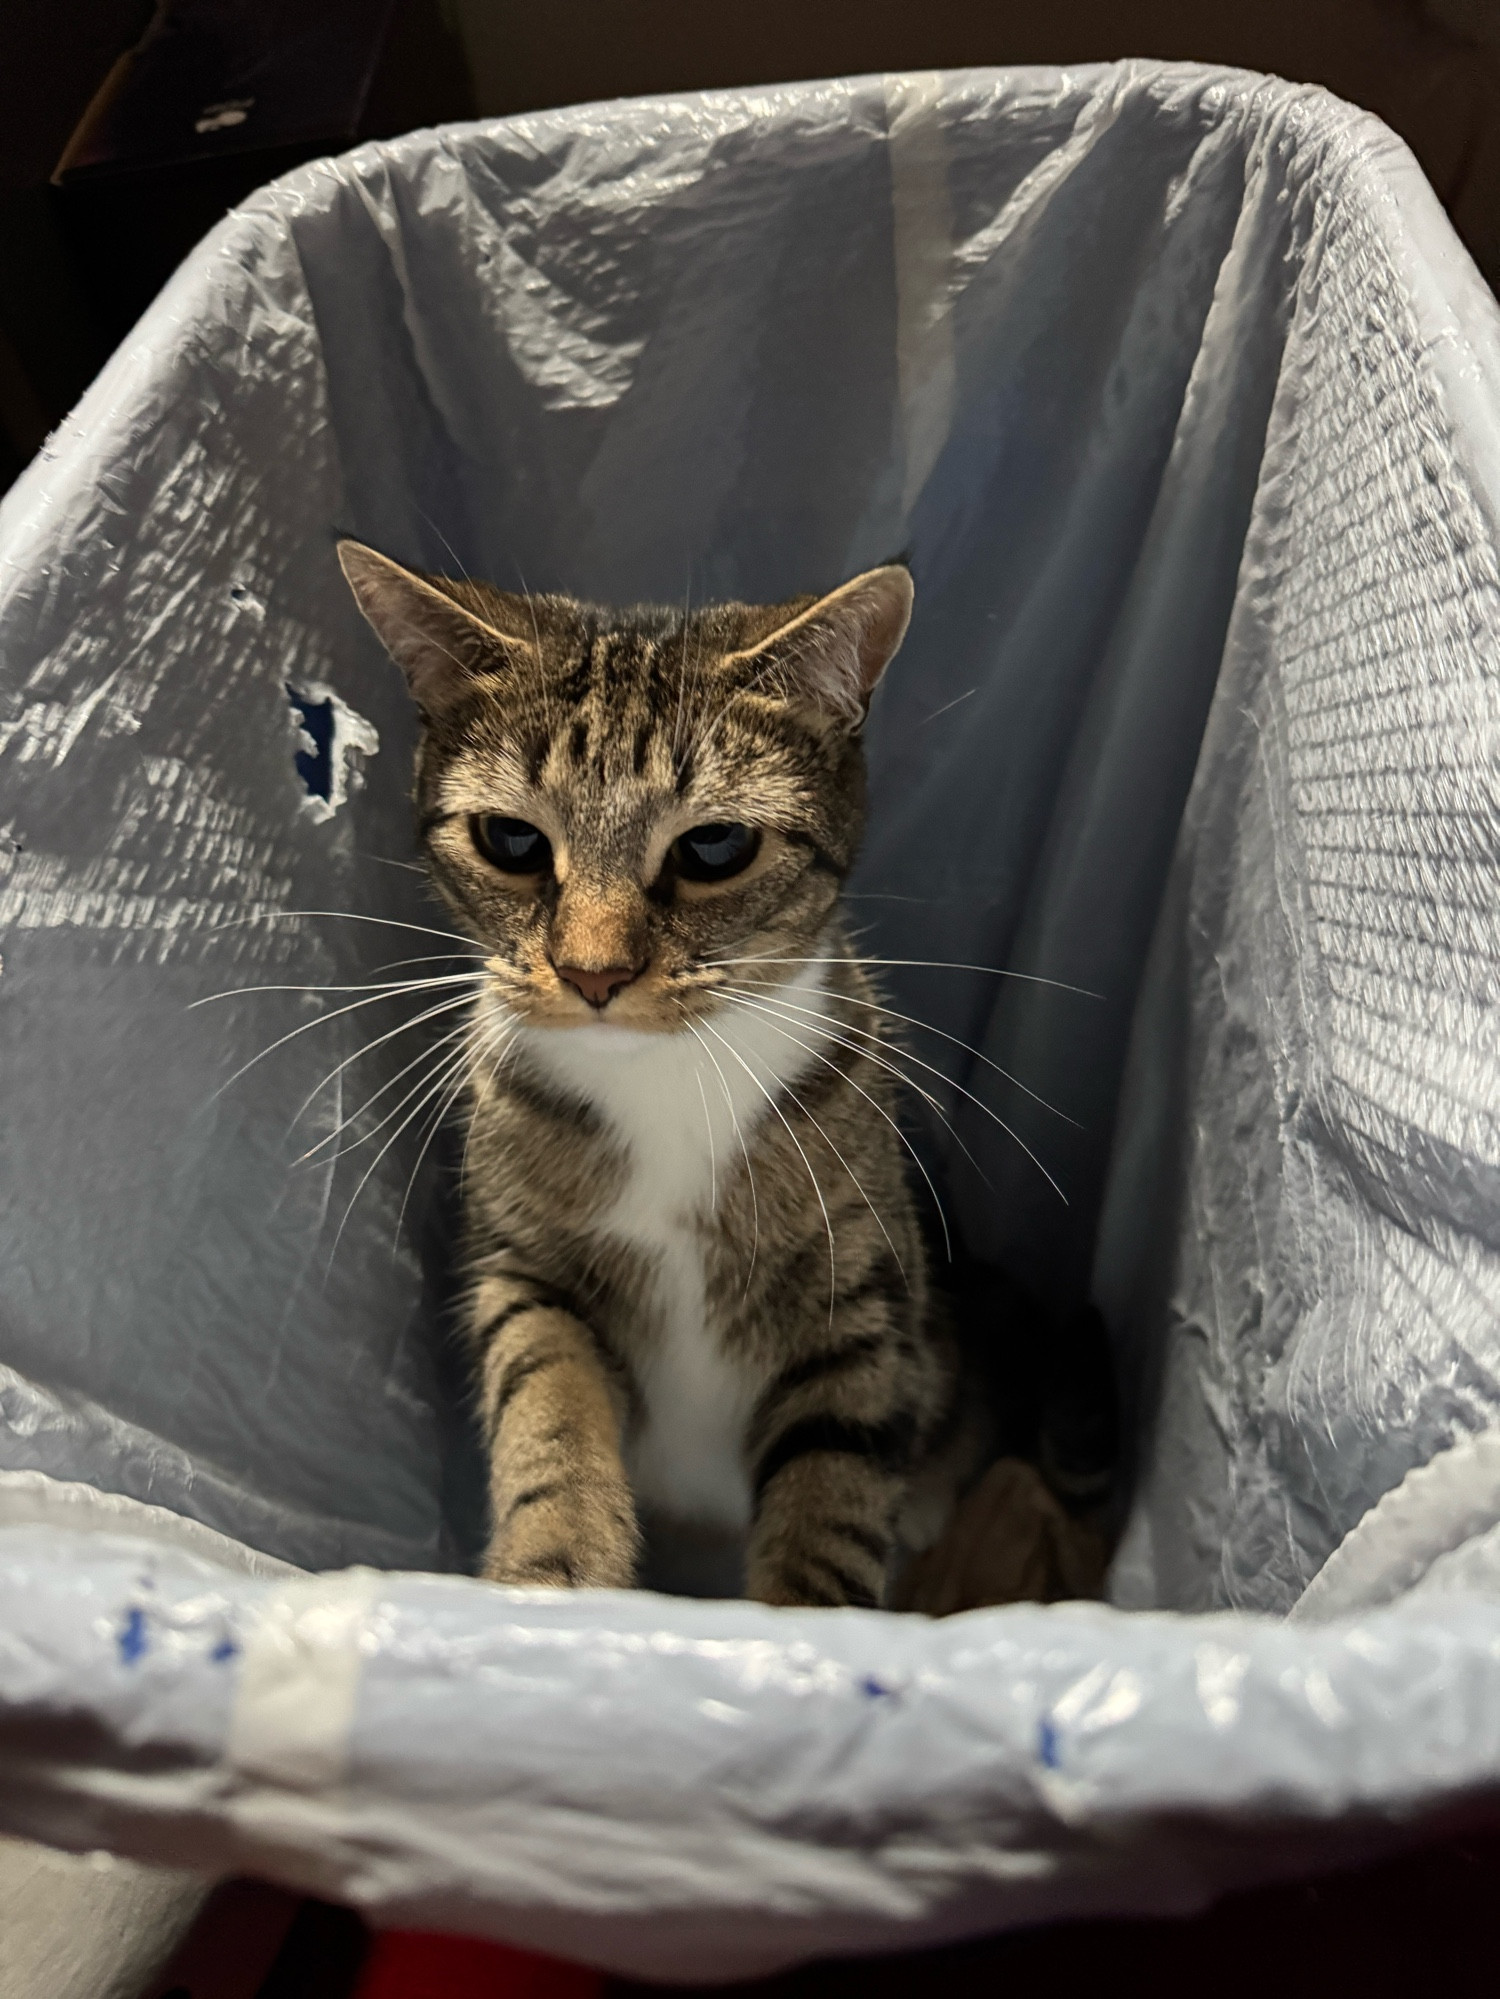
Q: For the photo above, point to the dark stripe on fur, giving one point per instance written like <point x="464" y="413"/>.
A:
<point x="533" y="1495"/>
<point x="820" y="1366"/>
<point x="884" y="1279"/>
<point x="537" y="1293"/>
<point x="889" y="1444"/>
<point x="518" y="1372"/>
<point x="556" y="1562"/>
<point x="546" y="1102"/>
<point x="851" y="1588"/>
<point x="876" y="1546"/>
<point x="832" y="1588"/>
<point x="496" y="1325"/>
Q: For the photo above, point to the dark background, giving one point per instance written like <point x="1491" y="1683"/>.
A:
<point x="80" y="260"/>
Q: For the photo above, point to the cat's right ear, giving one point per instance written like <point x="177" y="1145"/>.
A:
<point x="440" y="647"/>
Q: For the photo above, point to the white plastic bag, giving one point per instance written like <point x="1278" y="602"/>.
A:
<point x="1186" y="403"/>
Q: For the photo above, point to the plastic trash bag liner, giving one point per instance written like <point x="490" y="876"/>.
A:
<point x="1186" y="404"/>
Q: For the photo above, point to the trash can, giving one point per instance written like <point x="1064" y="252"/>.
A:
<point x="1184" y="402"/>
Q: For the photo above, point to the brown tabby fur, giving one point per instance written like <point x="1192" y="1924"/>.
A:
<point x="613" y="733"/>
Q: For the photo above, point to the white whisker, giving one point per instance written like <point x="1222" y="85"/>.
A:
<point x="495" y="1031"/>
<point x="884" y="1060"/>
<point x="465" y="1072"/>
<point x="347" y="916"/>
<point x="947" y="705"/>
<point x="444" y="1042"/>
<point x="382" y="988"/>
<point x="381" y="860"/>
<point x="911" y="1020"/>
<point x="432" y="958"/>
<point x="713" y="1164"/>
<point x="919" y="964"/>
<point x="827" y="1223"/>
<point x="979" y="1104"/>
<point x="319" y="1020"/>
<point x="437" y="1086"/>
<point x="734" y="1119"/>
<point x="445" y="541"/>
<point x="448" y="1006"/>
<point x="876" y="1105"/>
<point x="859" y="1185"/>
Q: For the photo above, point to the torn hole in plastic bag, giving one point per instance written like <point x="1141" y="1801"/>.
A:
<point x="331" y="744"/>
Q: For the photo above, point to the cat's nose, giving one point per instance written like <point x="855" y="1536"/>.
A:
<point x="598" y="988"/>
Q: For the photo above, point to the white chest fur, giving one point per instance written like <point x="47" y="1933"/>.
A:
<point x="683" y="1107"/>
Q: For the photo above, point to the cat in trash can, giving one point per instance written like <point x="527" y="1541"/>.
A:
<point x="704" y="1342"/>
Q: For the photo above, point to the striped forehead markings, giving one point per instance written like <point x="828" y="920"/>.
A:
<point x="634" y="702"/>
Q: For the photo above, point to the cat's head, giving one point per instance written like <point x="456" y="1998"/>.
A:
<point x="617" y="805"/>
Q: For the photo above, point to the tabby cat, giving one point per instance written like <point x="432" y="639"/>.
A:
<point x="696" y="1288"/>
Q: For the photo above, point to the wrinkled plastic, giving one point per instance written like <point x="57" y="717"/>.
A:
<point x="1185" y="402"/>
<point x="706" y="1790"/>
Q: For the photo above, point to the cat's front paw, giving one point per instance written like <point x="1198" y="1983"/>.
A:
<point x="572" y="1570"/>
<point x="566" y="1553"/>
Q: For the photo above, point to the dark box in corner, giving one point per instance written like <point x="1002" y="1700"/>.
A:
<point x="219" y="96"/>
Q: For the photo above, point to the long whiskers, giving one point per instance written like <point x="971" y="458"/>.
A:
<point x="464" y="1076"/>
<point x="875" y="1105"/>
<point x="911" y="1020"/>
<point x="433" y="1088"/>
<point x="444" y="1066"/>
<point x="381" y="988"/>
<point x="369" y="1103"/>
<point x="978" y="1102"/>
<point x="817" y="1189"/>
<point x="350" y="916"/>
<point x="859" y="1185"/>
<point x="867" y="1045"/>
<point x="320" y="1020"/>
<point x="734" y="1119"/>
<point x="497" y="1040"/>
<point x="713" y="1164"/>
<point x="920" y="964"/>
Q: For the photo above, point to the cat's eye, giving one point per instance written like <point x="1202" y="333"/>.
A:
<point x="714" y="853"/>
<point x="512" y="844"/>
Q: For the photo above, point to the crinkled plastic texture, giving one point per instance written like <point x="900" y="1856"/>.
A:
<point x="1185" y="402"/>
<point x="708" y="1790"/>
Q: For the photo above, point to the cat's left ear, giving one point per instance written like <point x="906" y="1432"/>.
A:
<point x="442" y="647"/>
<point x="830" y="656"/>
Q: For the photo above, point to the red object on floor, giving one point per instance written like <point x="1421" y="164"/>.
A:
<point x="416" y="1964"/>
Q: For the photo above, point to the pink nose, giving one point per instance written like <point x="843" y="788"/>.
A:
<point x="598" y="988"/>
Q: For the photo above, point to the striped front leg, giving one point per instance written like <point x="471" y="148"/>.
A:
<point x="561" y="1511"/>
<point x="836" y="1438"/>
